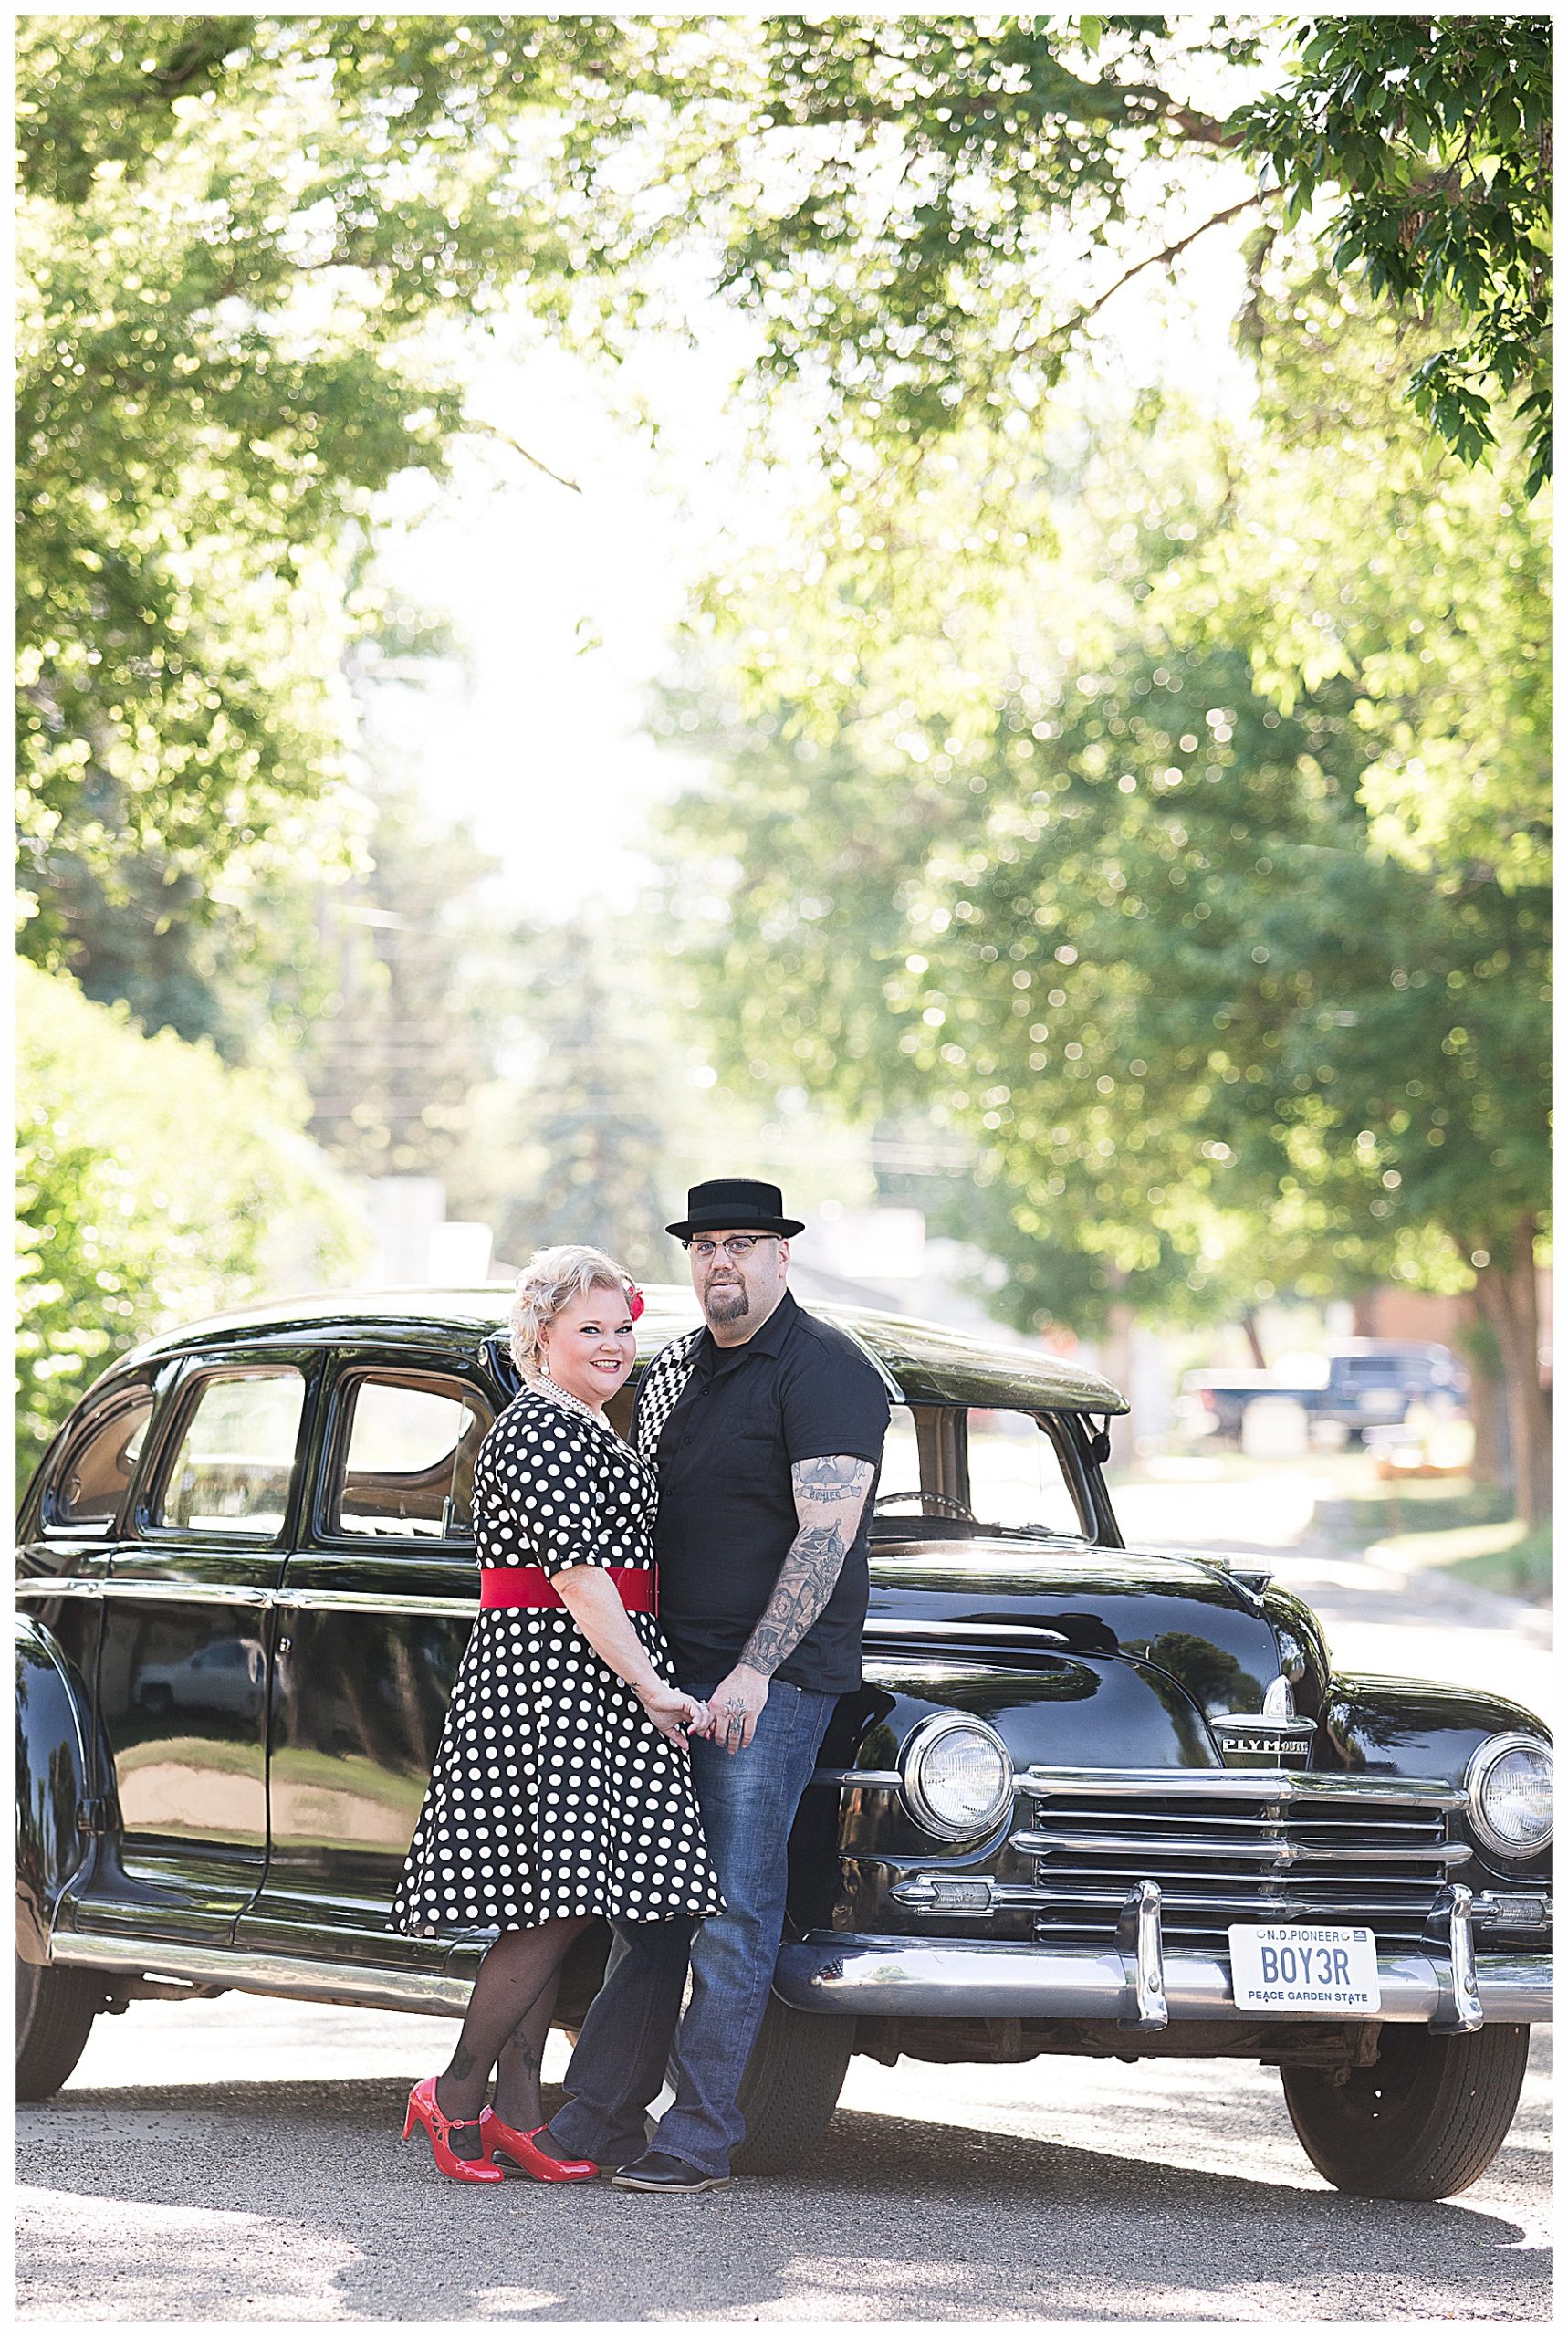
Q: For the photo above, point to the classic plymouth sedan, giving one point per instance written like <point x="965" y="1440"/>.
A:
<point x="1088" y="1800"/>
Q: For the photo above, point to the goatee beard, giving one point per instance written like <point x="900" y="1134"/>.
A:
<point x="726" y="1306"/>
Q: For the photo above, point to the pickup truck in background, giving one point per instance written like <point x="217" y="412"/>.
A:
<point x="1360" y="1384"/>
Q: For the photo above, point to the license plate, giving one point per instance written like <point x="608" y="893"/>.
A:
<point x="1305" y="1967"/>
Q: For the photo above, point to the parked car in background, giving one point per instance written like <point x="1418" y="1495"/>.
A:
<point x="1359" y="1384"/>
<point x="1088" y="1800"/>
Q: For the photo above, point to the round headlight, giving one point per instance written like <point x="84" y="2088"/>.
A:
<point x="1510" y="1785"/>
<point x="958" y="1775"/>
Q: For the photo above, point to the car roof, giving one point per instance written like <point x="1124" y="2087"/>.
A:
<point x="1388" y="1346"/>
<point x="920" y="1361"/>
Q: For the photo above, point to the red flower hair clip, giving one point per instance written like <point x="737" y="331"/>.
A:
<point x="636" y="1302"/>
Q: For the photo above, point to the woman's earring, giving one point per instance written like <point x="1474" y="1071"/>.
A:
<point x="545" y="1372"/>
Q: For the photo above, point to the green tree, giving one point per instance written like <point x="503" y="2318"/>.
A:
<point x="236" y="235"/>
<point x="906" y="203"/>
<point x="1435" y="135"/>
<point x="409" y="967"/>
<point x="1423" y="584"/>
<point x="241" y="236"/>
<point x="261" y="984"/>
<point x="153" y="1185"/>
<point x="571" y="1147"/>
<point x="1141" y="903"/>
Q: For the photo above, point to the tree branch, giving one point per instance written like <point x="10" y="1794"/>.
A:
<point x="1157" y="259"/>
<point x="1202" y="128"/>
<point x="210" y="39"/>
<point x="488" y="430"/>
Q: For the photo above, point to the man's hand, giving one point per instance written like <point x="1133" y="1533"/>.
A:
<point x="735" y="1708"/>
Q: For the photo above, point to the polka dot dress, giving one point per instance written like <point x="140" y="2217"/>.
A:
<point x="553" y="1793"/>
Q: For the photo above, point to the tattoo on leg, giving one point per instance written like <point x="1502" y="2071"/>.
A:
<point x="519" y="2047"/>
<point x="462" y="2065"/>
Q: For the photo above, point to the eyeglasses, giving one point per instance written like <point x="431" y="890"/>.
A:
<point x="738" y="1246"/>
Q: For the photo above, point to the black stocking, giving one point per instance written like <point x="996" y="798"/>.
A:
<point x="515" y="1975"/>
<point x="517" y="2095"/>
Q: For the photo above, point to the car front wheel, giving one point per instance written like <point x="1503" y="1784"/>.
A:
<point x="54" y="2013"/>
<point x="792" y="2087"/>
<point x="1424" y="2120"/>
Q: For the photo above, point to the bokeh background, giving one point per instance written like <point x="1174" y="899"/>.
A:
<point x="950" y="611"/>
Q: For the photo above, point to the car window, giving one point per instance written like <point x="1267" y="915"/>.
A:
<point x="1015" y="1474"/>
<point x="405" y="1463"/>
<point x="900" y="1458"/>
<point x="236" y="1460"/>
<point x="95" y="1472"/>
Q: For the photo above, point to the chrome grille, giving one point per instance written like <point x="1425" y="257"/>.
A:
<point x="1231" y="1845"/>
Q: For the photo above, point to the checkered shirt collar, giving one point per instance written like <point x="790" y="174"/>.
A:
<point x="663" y="1383"/>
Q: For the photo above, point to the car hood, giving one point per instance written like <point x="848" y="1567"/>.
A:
<point x="1185" y="1617"/>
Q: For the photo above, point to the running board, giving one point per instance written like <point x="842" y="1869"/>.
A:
<point x="267" y="1975"/>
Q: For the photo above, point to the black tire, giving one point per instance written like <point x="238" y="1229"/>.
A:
<point x="54" y="2013"/>
<point x="792" y="2088"/>
<point x="1424" y="2122"/>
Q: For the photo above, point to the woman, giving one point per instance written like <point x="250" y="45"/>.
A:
<point x="561" y="1790"/>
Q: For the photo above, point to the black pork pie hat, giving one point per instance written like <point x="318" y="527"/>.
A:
<point x="735" y="1205"/>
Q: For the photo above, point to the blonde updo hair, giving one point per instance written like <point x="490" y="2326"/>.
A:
<point x="551" y="1280"/>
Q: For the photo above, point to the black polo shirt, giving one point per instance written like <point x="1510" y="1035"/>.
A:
<point x="797" y="1390"/>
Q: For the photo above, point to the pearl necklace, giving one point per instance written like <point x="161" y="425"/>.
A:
<point x="559" y="1395"/>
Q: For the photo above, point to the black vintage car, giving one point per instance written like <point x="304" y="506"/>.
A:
<point x="1088" y="1801"/>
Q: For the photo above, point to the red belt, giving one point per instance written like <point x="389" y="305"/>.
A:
<point x="531" y="1586"/>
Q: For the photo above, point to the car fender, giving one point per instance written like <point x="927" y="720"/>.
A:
<point x="55" y="1820"/>
<point x="1103" y="1712"/>
<point x="1415" y="1728"/>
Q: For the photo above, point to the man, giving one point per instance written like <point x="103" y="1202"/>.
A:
<point x="766" y="1429"/>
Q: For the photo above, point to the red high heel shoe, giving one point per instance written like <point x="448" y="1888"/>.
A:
<point x="423" y="2109"/>
<point x="525" y="2153"/>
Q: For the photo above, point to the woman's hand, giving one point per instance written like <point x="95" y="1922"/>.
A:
<point x="594" y="1605"/>
<point x="673" y="1712"/>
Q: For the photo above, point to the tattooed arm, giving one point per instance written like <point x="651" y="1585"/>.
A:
<point x="829" y="1498"/>
<point x="829" y="1495"/>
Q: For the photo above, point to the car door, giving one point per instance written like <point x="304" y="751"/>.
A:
<point x="376" y="1609"/>
<point x="69" y="1517"/>
<point x="71" y="1513"/>
<point x="184" y="1646"/>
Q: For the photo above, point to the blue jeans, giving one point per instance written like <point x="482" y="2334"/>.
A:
<point x="749" y="1801"/>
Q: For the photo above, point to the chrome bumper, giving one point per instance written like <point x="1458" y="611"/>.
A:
<point x="963" y="1979"/>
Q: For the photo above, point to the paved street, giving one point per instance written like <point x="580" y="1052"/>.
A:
<point x="238" y="2160"/>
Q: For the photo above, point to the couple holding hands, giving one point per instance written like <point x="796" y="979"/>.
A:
<point x="606" y="1754"/>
